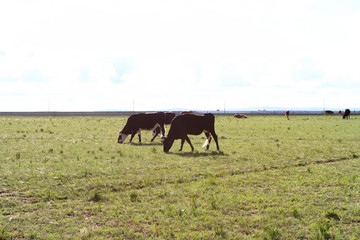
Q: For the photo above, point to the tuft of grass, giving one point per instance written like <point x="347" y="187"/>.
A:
<point x="212" y="180"/>
<point x="193" y="200"/>
<point x="134" y="197"/>
<point x="295" y="213"/>
<point x="96" y="196"/>
<point x="323" y="229"/>
<point x="213" y="204"/>
<point x="332" y="215"/>
<point x="219" y="231"/>
<point x="4" y="234"/>
<point x="272" y="233"/>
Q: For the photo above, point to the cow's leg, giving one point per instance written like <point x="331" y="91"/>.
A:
<point x="162" y="128"/>
<point x="132" y="136"/>
<point x="208" y="140"/>
<point x="189" y="142"/>
<point x="216" y="140"/>
<point x="182" y="144"/>
<point x="154" y="137"/>
<point x="155" y="132"/>
<point x="139" y="134"/>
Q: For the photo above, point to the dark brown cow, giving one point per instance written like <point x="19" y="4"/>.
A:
<point x="328" y="112"/>
<point x="142" y="121"/>
<point x="193" y="124"/>
<point x="346" y="114"/>
<point x="238" y="115"/>
<point x="287" y="113"/>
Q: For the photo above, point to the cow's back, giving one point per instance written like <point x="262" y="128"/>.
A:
<point x="145" y="120"/>
<point x="191" y="124"/>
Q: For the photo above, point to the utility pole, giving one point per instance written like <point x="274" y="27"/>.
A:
<point x="224" y="107"/>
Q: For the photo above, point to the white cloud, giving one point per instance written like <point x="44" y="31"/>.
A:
<point x="98" y="55"/>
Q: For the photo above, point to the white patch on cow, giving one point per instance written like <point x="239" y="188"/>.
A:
<point x="156" y="125"/>
<point x="122" y="137"/>
<point x="207" y="140"/>
<point x="154" y="129"/>
<point x="161" y="134"/>
<point x="206" y="143"/>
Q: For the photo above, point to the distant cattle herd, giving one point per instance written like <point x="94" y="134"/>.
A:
<point x="346" y="114"/>
<point x="181" y="126"/>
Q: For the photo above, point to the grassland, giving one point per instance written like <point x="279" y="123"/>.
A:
<point x="68" y="178"/>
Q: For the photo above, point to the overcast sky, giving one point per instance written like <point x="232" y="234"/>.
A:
<point x="83" y="55"/>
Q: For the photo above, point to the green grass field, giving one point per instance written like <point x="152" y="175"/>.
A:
<point x="68" y="178"/>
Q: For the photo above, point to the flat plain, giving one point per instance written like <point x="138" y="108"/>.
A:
<point x="68" y="178"/>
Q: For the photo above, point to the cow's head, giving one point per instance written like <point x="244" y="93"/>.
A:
<point x="167" y="144"/>
<point x="122" y="137"/>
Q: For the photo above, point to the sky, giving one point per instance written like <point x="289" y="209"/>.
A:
<point x="87" y="55"/>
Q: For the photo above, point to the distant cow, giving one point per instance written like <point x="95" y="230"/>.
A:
<point x="168" y="118"/>
<point x="193" y="124"/>
<point x="328" y="112"/>
<point x="142" y="121"/>
<point x="287" y="113"/>
<point x="240" y="115"/>
<point x="346" y="114"/>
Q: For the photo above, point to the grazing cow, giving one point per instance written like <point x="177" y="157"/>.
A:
<point x="287" y="113"/>
<point x="346" y="114"/>
<point x="193" y="124"/>
<point x="328" y="112"/>
<point x="142" y="121"/>
<point x="240" y="115"/>
<point x="168" y="118"/>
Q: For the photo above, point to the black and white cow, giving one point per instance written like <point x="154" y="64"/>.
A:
<point x="193" y="124"/>
<point x="142" y="121"/>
